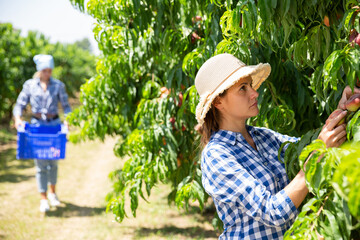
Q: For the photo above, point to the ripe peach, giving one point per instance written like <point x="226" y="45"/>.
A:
<point x="196" y="19"/>
<point x="353" y="103"/>
<point x="164" y="141"/>
<point x="183" y="128"/>
<point x="172" y="120"/>
<point x="164" y="92"/>
<point x="353" y="35"/>
<point x="357" y="40"/>
<point x="180" y="99"/>
<point x="194" y="37"/>
<point x="163" y="89"/>
<point x="327" y="21"/>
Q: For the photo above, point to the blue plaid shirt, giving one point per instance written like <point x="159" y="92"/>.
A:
<point x="42" y="101"/>
<point x="247" y="185"/>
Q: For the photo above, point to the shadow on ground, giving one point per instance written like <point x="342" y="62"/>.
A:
<point x="14" y="178"/>
<point x="166" y="231"/>
<point x="9" y="166"/>
<point x="206" y="215"/>
<point x="67" y="210"/>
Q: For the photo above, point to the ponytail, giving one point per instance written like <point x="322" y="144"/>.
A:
<point x="211" y="124"/>
<point x="37" y="74"/>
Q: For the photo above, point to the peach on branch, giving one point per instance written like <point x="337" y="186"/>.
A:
<point x="196" y="19"/>
<point x="357" y="40"/>
<point x="180" y="99"/>
<point x="353" y="103"/>
<point x="172" y="121"/>
<point x="183" y="128"/>
<point x="194" y="37"/>
<point x="326" y="21"/>
<point x="353" y="35"/>
<point x="179" y="159"/>
<point x="164" y="92"/>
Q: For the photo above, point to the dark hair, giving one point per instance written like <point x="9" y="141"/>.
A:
<point x="211" y="123"/>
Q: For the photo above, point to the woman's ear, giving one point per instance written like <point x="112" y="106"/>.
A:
<point x="217" y="103"/>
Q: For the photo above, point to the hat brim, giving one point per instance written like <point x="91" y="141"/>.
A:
<point x="259" y="73"/>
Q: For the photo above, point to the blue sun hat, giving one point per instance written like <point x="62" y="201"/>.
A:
<point x="43" y="61"/>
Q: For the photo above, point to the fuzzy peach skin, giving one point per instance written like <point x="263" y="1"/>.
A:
<point x="347" y="93"/>
<point x="353" y="103"/>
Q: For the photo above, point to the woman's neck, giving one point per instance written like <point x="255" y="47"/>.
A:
<point x="235" y="126"/>
<point x="240" y="127"/>
<point x="44" y="80"/>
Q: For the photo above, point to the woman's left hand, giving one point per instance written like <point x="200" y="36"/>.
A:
<point x="345" y="96"/>
<point x="333" y="134"/>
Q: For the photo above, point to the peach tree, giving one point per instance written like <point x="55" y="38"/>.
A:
<point x="17" y="65"/>
<point x="143" y="93"/>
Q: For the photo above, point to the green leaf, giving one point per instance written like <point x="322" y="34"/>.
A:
<point x="331" y="67"/>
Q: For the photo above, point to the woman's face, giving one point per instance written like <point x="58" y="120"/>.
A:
<point x="239" y="102"/>
<point x="46" y="73"/>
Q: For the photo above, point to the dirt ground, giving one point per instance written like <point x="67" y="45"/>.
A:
<point x="82" y="186"/>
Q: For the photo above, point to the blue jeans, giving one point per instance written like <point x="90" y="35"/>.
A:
<point x="46" y="170"/>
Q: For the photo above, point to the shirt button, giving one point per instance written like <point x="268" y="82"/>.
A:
<point x="265" y="163"/>
<point x="277" y="179"/>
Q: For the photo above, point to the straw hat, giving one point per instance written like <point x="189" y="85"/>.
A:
<point x="221" y="72"/>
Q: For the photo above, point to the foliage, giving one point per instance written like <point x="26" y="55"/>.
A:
<point x="149" y="45"/>
<point x="332" y="210"/>
<point x="72" y="64"/>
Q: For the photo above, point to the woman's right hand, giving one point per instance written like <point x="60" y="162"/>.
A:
<point x="332" y="134"/>
<point x="18" y="122"/>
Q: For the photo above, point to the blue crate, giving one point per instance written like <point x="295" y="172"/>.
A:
<point x="41" y="142"/>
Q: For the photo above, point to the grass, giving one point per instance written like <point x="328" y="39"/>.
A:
<point x="7" y="135"/>
<point x="82" y="187"/>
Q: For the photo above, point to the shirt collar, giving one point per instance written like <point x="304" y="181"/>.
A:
<point x="231" y="137"/>
<point x="38" y="80"/>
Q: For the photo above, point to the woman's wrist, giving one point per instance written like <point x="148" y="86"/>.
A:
<point x="301" y="174"/>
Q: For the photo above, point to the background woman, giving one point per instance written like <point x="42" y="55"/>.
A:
<point x="43" y="92"/>
<point x="240" y="169"/>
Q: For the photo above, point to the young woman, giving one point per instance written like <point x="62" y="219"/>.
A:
<point x="43" y="92"/>
<point x="240" y="170"/>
